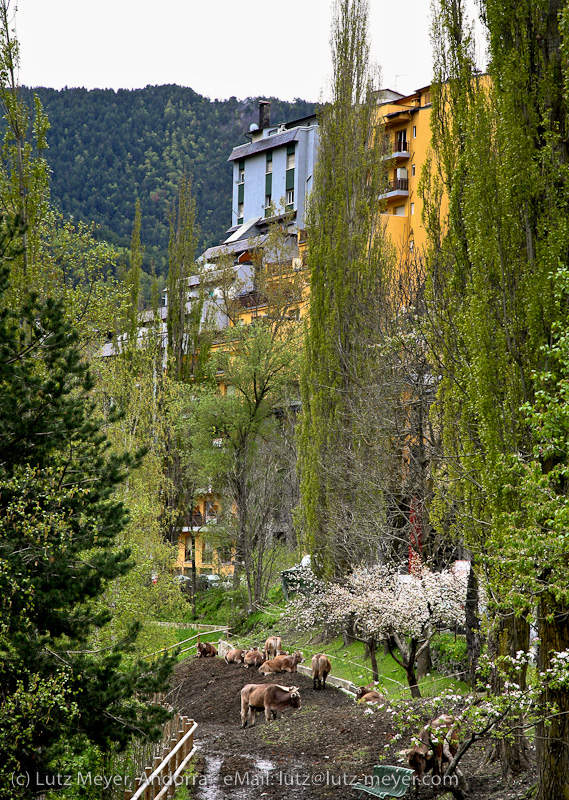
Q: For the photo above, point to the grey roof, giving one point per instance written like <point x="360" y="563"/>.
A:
<point x="268" y="143"/>
<point x="232" y="247"/>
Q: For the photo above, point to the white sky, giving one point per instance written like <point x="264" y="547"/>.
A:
<point x="219" y="48"/>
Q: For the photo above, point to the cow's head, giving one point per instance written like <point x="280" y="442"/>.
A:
<point x="297" y="655"/>
<point x="295" y="697"/>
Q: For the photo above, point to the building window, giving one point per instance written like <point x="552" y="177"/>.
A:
<point x="290" y="160"/>
<point x="399" y="211"/>
<point x="289" y="197"/>
<point x="411" y="246"/>
<point x="412" y="208"/>
<point x="239" y="213"/>
<point x="240" y="172"/>
<point x="207" y="553"/>
<point x="414" y="131"/>
<point x="269" y="163"/>
<point x="427" y="98"/>
<point x="413" y="170"/>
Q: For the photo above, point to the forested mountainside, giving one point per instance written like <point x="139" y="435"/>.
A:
<point x="106" y="148"/>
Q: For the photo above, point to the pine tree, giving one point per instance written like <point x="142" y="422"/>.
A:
<point x="58" y="524"/>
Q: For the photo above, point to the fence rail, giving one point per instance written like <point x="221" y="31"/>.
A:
<point x="177" y="751"/>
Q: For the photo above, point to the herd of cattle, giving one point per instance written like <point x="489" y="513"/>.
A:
<point x="438" y="741"/>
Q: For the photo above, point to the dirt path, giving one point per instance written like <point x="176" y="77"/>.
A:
<point x="316" y="752"/>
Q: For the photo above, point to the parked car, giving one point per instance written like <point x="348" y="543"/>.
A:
<point x="184" y="582"/>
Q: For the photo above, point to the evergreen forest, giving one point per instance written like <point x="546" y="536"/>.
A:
<point x="107" y="148"/>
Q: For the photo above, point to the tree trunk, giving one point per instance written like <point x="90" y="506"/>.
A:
<point x="424" y="662"/>
<point x="410" y="669"/>
<point x="509" y="635"/>
<point x="472" y="626"/>
<point x="552" y="740"/>
<point x="370" y="644"/>
<point x="407" y="660"/>
<point x="194" y="573"/>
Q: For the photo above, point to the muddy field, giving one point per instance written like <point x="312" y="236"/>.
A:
<point x="316" y="751"/>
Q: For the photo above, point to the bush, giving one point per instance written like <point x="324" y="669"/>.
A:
<point x="449" y="653"/>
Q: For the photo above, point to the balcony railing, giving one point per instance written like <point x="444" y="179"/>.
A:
<point x="398" y="185"/>
<point x="401" y="146"/>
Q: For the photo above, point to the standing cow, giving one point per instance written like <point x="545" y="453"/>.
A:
<point x="271" y="699"/>
<point x="272" y="647"/>
<point x="320" y="669"/>
<point x="438" y="743"/>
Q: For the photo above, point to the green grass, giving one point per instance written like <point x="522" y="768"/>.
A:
<point x="349" y="662"/>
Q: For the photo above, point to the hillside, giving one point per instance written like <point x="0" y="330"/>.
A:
<point x="108" y="147"/>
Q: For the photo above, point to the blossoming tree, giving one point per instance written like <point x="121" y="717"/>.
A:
<point x="380" y="604"/>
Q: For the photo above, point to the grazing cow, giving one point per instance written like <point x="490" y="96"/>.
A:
<point x="282" y="664"/>
<point x="272" y="647"/>
<point x="320" y="668"/>
<point x="206" y="649"/>
<point x="254" y="658"/>
<point x="235" y="656"/>
<point x="271" y="698"/>
<point x="438" y="742"/>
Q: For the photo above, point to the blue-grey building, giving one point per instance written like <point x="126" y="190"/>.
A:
<point x="273" y="171"/>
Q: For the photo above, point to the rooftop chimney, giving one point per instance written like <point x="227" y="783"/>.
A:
<point x="264" y="114"/>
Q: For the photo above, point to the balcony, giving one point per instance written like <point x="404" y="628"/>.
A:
<point x="400" y="149"/>
<point x="398" y="187"/>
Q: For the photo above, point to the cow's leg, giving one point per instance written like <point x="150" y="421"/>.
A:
<point x="251" y="716"/>
<point x="244" y="710"/>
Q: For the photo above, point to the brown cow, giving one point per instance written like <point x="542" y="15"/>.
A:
<point x="438" y="742"/>
<point x="271" y="698"/>
<point x="320" y="668"/>
<point x="235" y="656"/>
<point x="272" y="647"/>
<point x="206" y="649"/>
<point x="254" y="658"/>
<point x="370" y="696"/>
<point x="281" y="664"/>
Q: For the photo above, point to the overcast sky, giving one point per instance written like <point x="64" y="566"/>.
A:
<point x="220" y="48"/>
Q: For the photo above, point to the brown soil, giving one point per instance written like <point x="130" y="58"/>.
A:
<point x="314" y="752"/>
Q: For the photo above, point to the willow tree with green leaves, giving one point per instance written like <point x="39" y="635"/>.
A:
<point x="500" y="154"/>
<point x="349" y="263"/>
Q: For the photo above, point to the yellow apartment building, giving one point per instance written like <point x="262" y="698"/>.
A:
<point x="407" y="127"/>
<point x="406" y="120"/>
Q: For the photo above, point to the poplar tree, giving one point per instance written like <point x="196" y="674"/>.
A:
<point x="500" y="145"/>
<point x="349" y="266"/>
